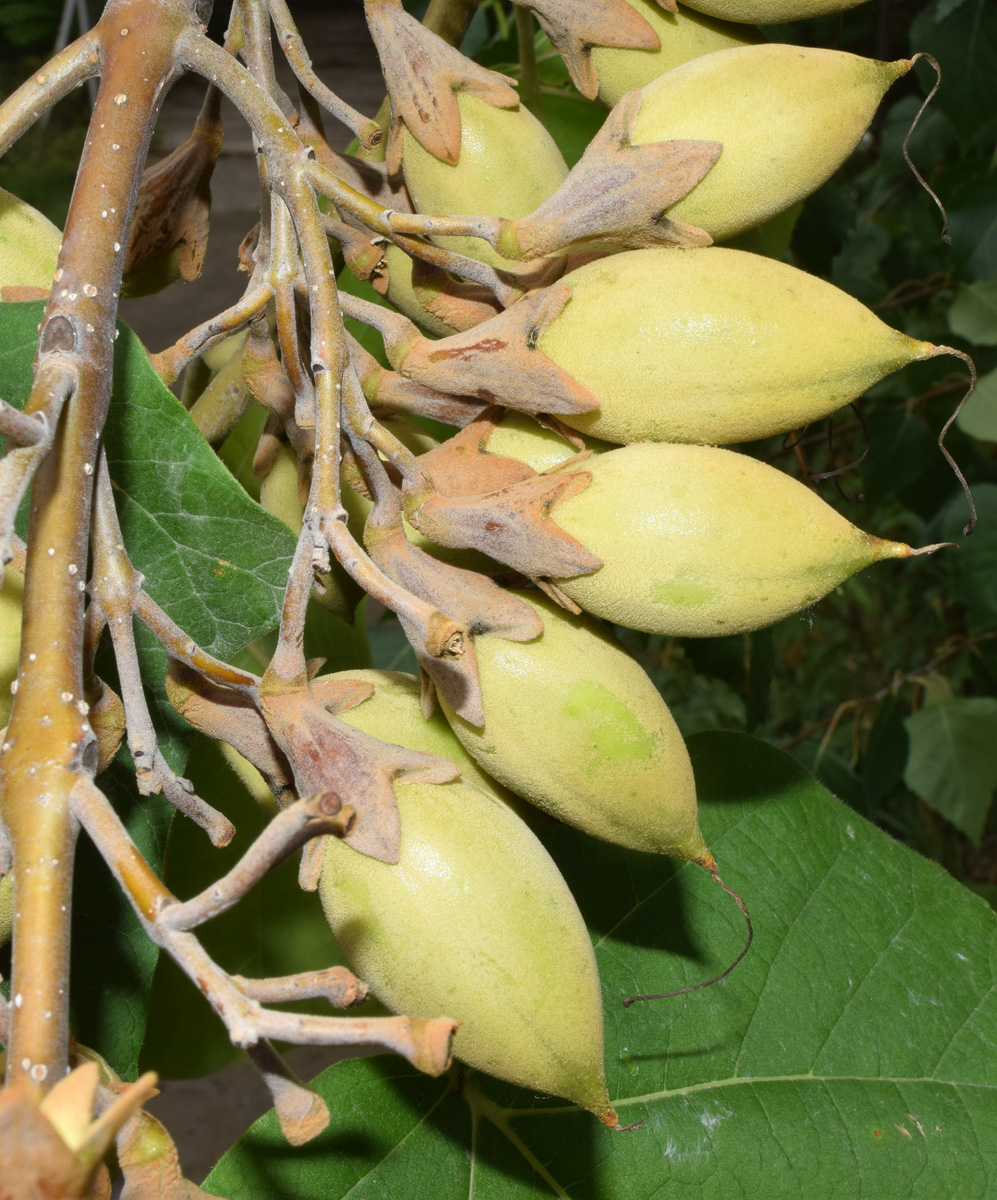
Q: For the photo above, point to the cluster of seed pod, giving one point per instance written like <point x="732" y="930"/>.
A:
<point x="595" y="350"/>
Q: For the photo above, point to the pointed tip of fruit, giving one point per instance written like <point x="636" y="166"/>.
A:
<point x="902" y="550"/>
<point x="898" y="68"/>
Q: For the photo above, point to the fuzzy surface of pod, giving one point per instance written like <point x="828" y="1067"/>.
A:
<point x="576" y="727"/>
<point x="788" y="117"/>
<point x="520" y="437"/>
<point x="11" y="599"/>
<point x="702" y="542"/>
<point x="509" y="164"/>
<point x="6" y="908"/>
<point x="684" y="35"/>
<point x="715" y="346"/>
<point x="402" y="295"/>
<point x="393" y="713"/>
<point x="475" y="923"/>
<point x="280" y="496"/>
<point x="768" y="12"/>
<point x="29" y="246"/>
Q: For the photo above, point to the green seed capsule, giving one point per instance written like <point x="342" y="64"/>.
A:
<point x="684" y="35"/>
<point x="574" y="725"/>
<point x="29" y="245"/>
<point x="509" y="164"/>
<point x="518" y="436"/>
<point x="770" y="12"/>
<point x="700" y="542"/>
<point x="393" y="713"/>
<point x="11" y="599"/>
<point x="402" y="294"/>
<point x="788" y="117"/>
<point x="6" y="908"/>
<point x="715" y="346"/>
<point x="475" y="923"/>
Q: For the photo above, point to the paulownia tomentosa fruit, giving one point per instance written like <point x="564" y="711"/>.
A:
<point x="393" y="712"/>
<point x="684" y="35"/>
<point x="702" y="542"/>
<point x="575" y="726"/>
<point x="11" y="600"/>
<point x="474" y="922"/>
<point x="509" y="164"/>
<point x="788" y="117"/>
<point x="769" y="12"/>
<point x="715" y="345"/>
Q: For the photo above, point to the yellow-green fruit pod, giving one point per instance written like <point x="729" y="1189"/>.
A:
<point x="279" y="495"/>
<point x="6" y="908"/>
<point x="520" y="437"/>
<point x="11" y="598"/>
<point x="700" y="542"/>
<point x="509" y="164"/>
<point x="715" y="346"/>
<point x="29" y="245"/>
<point x="402" y="294"/>
<point x="788" y="117"/>
<point x="684" y="35"/>
<point x="475" y="923"/>
<point x="393" y="713"/>
<point x="576" y="727"/>
<point x="770" y="12"/>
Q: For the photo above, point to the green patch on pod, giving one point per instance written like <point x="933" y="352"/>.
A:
<point x="475" y="923"/>
<point x="701" y="542"/>
<point x="684" y="35"/>
<point x="509" y="164"/>
<point x="771" y="12"/>
<point x="576" y="727"/>
<point x="394" y="714"/>
<point x="788" y="117"/>
<point x="29" y="246"/>
<point x="715" y="345"/>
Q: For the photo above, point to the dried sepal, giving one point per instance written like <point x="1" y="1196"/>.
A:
<point x="226" y="715"/>
<point x="328" y="755"/>
<point x="422" y="72"/>
<point x="462" y="465"/>
<point x="150" y="1163"/>
<point x="107" y="720"/>
<point x="169" y="236"/>
<point x="459" y="304"/>
<point x="472" y="599"/>
<point x="386" y="389"/>
<point x="617" y="195"/>
<point x="498" y="361"/>
<point x="575" y="26"/>
<point x="513" y="526"/>
<point x="55" y="1148"/>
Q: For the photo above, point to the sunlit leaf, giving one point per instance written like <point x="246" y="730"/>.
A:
<point x="847" y="1057"/>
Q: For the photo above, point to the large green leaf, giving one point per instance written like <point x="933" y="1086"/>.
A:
<point x="217" y="563"/>
<point x="848" y="1056"/>
<point x="952" y="765"/>
<point x="979" y="417"/>
<point x="973" y="314"/>
<point x="113" y="959"/>
<point x="213" y="559"/>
